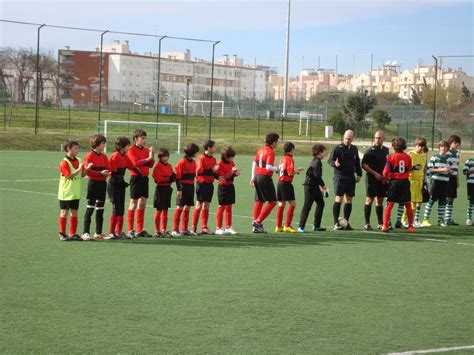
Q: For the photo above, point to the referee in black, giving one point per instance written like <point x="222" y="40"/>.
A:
<point x="347" y="172"/>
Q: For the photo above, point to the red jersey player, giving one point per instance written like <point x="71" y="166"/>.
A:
<point x="262" y="171"/>
<point x="396" y="172"/>
<point x="285" y="189"/>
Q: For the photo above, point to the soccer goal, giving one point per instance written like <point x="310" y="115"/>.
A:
<point x="203" y="107"/>
<point x="160" y="135"/>
<point x="308" y="117"/>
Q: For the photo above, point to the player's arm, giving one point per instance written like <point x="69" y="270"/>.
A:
<point x="317" y="172"/>
<point x="254" y="169"/>
<point x="178" y="176"/>
<point x="358" y="169"/>
<point x="386" y="171"/>
<point x="334" y="157"/>
<point x="269" y="163"/>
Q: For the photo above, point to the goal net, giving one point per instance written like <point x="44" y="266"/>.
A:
<point x="203" y="107"/>
<point x="160" y="135"/>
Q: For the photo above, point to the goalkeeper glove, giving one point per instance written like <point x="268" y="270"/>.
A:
<point x="324" y="191"/>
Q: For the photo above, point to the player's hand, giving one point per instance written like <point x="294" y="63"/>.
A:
<point x="378" y="177"/>
<point x="179" y="194"/>
<point x="88" y="166"/>
<point x="357" y="178"/>
<point x="299" y="170"/>
<point x="337" y="163"/>
<point x="252" y="183"/>
<point x="105" y="172"/>
<point x="237" y="172"/>
<point x="215" y="168"/>
<point x="221" y="179"/>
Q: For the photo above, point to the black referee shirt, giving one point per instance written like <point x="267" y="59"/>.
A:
<point x="375" y="157"/>
<point x="348" y="158"/>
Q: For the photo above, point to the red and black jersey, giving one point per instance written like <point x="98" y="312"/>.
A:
<point x="99" y="162"/>
<point x="119" y="163"/>
<point x="64" y="166"/>
<point x="138" y="156"/>
<point x="225" y="170"/>
<point x="287" y="168"/>
<point x="398" y="166"/>
<point x="265" y="156"/>
<point x="204" y="166"/>
<point x="163" y="174"/>
<point x="185" y="171"/>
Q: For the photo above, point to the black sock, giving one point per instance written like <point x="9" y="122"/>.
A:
<point x="99" y="217"/>
<point x="87" y="217"/>
<point x="379" y="212"/>
<point x="347" y="211"/>
<point x="367" y="212"/>
<point x="336" y="210"/>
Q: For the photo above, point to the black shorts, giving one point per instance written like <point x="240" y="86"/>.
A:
<point x="96" y="190"/>
<point x="470" y="192"/>
<point x="264" y="188"/>
<point x="452" y="187"/>
<point x="438" y="191"/>
<point x="226" y="194"/>
<point x="116" y="191"/>
<point x="344" y="185"/>
<point x="204" y="191"/>
<point x="69" y="205"/>
<point x="399" y="191"/>
<point x="375" y="188"/>
<point x="285" y="191"/>
<point x="162" y="200"/>
<point x="187" y="196"/>
<point x="138" y="187"/>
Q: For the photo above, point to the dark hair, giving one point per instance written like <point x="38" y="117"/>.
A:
<point x="443" y="143"/>
<point x="454" y="139"/>
<point x="121" y="142"/>
<point x="288" y="147"/>
<point x="69" y="144"/>
<point x="191" y="149"/>
<point x="96" y="140"/>
<point x="271" y="138"/>
<point x="138" y="133"/>
<point x="399" y="144"/>
<point x="163" y="152"/>
<point x="208" y="143"/>
<point x="227" y="153"/>
<point x="421" y="141"/>
<point x="318" y="148"/>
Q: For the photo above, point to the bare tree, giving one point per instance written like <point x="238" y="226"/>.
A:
<point x="20" y="62"/>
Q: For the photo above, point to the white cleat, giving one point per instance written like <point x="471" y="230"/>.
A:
<point x="230" y="231"/>
<point x="469" y="222"/>
<point x="86" y="236"/>
<point x="175" y="234"/>
<point x="220" y="231"/>
<point x="417" y="225"/>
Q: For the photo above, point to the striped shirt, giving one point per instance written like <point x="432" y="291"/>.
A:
<point x="469" y="166"/>
<point x="438" y="161"/>
<point x="454" y="156"/>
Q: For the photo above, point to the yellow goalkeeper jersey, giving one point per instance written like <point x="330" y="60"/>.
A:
<point x="418" y="161"/>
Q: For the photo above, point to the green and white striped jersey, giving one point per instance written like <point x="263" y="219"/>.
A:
<point x="438" y="161"/>
<point x="469" y="166"/>
<point x="454" y="156"/>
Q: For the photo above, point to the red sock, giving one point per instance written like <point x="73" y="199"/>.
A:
<point x="130" y="219"/>
<point x="228" y="216"/>
<point x="257" y="209"/>
<point x="279" y="216"/>
<point x="113" y="222"/>
<point x="219" y="215"/>
<point x="72" y="225"/>
<point x="164" y="220"/>
<point x="62" y="225"/>
<point x="185" y="221"/>
<point x="289" y="215"/>
<point x="204" y="218"/>
<point x="267" y="209"/>
<point x="194" y="223"/>
<point x="119" y="224"/>
<point x="409" y="213"/>
<point x="157" y="220"/>
<point x="140" y="219"/>
<point x="386" y="215"/>
<point x="176" y="218"/>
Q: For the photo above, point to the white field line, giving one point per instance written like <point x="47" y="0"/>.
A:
<point x="32" y="180"/>
<point x="30" y="166"/>
<point x="439" y="350"/>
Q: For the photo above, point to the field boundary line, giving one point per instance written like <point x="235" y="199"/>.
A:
<point x="32" y="180"/>
<point x="31" y="166"/>
<point x="439" y="350"/>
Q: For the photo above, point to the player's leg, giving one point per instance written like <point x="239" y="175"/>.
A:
<point x="430" y="203"/>
<point x="197" y="210"/>
<point x="470" y="204"/>
<point x="318" y="213"/>
<point x="205" y="217"/>
<point x="279" y="216"/>
<point x="289" y="217"/>
<point x="185" y="220"/>
<point x="308" y="202"/>
<point x="140" y="216"/>
<point x="379" y="210"/>
<point x="367" y="212"/>
<point x="87" y="218"/>
<point x="347" y="210"/>
<point x="73" y="221"/>
<point x="62" y="220"/>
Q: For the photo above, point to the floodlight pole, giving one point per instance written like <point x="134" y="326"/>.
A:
<point x="186" y="107"/>
<point x="38" y="74"/>
<point x="285" y="94"/>
<point x="100" y="76"/>
<point x="158" y="80"/>
<point x="434" y="101"/>
<point x="212" y="86"/>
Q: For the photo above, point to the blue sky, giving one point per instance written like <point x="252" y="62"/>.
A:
<point x="406" y="31"/>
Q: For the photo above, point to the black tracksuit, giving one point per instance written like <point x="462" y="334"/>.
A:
<point x="312" y="193"/>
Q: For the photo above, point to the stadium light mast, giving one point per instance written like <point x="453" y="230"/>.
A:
<point x="287" y="55"/>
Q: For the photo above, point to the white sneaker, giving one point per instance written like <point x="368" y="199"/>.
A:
<point x="175" y="234"/>
<point x="220" y="231"/>
<point x="230" y="231"/>
<point x="417" y="225"/>
<point x="405" y="224"/>
<point x="86" y="236"/>
<point x="469" y="222"/>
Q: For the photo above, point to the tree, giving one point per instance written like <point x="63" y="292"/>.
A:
<point x="381" y="117"/>
<point x="19" y="60"/>
<point x="356" y="106"/>
<point x="415" y="97"/>
<point x="466" y="93"/>
<point x="336" y="119"/>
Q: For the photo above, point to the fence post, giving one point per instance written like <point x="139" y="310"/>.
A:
<point x="258" y="127"/>
<point x="234" y="125"/>
<point x="69" y="120"/>
<point x="5" y="113"/>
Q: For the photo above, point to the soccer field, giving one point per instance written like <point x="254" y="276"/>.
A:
<point x="330" y="292"/>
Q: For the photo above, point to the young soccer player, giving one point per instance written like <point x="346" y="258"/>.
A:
<point x="69" y="192"/>
<point x="453" y="159"/>
<point x="226" y="191"/>
<point x="468" y="170"/>
<point x="142" y="158"/>
<point x="285" y="189"/>
<point x="97" y="186"/>
<point x="164" y="176"/>
<point x="119" y="163"/>
<point x="439" y="169"/>
<point x="315" y="190"/>
<point x="185" y="174"/>
<point x="206" y="167"/>
<point x="396" y="172"/>
<point x="262" y="171"/>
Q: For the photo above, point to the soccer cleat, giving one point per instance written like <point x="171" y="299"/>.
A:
<point x="278" y="229"/>
<point x="206" y="231"/>
<point x="289" y="229"/>
<point x="63" y="237"/>
<point x="319" y="229"/>
<point x="411" y="229"/>
<point x="157" y="235"/>
<point x="368" y="227"/>
<point x="258" y="228"/>
<point x="417" y="225"/>
<point x="112" y="236"/>
<point x="399" y="225"/>
<point x="379" y="226"/>
<point x="441" y="223"/>
<point x="75" y="237"/>
<point x="121" y="235"/>
<point x="220" y="231"/>
<point x="188" y="233"/>
<point x="348" y="227"/>
<point x="405" y="225"/>
<point x="230" y="231"/>
<point x="99" y="236"/>
<point x="469" y="222"/>
<point x="385" y="229"/>
<point x="337" y="227"/>
<point x="86" y="236"/>
<point x="130" y="234"/>
<point x="165" y="234"/>
<point x="175" y="234"/>
<point x="452" y="223"/>
<point x="143" y="234"/>
<point x="426" y="223"/>
<point x="301" y="230"/>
